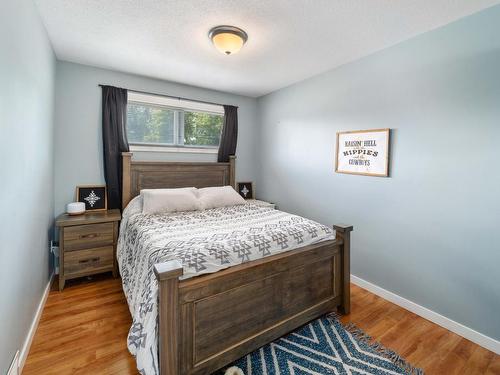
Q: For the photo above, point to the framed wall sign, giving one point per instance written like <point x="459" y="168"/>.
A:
<point x="94" y="197"/>
<point x="364" y="152"/>
<point x="246" y="190"/>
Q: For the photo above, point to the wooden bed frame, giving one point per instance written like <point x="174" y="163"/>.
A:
<point x="206" y="322"/>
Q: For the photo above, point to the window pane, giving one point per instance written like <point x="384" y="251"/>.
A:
<point x="149" y="124"/>
<point x="202" y="129"/>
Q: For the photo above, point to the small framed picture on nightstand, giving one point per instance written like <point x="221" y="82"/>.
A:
<point x="246" y="190"/>
<point x="94" y="197"/>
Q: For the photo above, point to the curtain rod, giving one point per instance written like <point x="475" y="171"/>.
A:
<point x="169" y="96"/>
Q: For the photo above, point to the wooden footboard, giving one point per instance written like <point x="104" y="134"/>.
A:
<point x="209" y="321"/>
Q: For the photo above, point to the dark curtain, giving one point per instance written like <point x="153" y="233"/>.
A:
<point x="114" y="138"/>
<point x="229" y="134"/>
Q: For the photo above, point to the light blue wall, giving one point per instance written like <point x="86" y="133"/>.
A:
<point x="78" y="139"/>
<point x="430" y="232"/>
<point x="27" y="72"/>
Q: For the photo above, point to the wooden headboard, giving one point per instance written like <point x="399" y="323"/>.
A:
<point x="139" y="175"/>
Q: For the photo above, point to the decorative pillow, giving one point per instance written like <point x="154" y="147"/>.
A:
<point x="220" y="196"/>
<point x="157" y="201"/>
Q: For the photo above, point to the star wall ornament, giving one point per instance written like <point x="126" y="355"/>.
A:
<point x="92" y="198"/>
<point x="245" y="191"/>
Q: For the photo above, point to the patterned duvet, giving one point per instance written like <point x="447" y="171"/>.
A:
<point x="204" y="242"/>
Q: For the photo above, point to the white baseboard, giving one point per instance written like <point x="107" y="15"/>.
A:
<point x="14" y="366"/>
<point x="34" y="325"/>
<point x="461" y="330"/>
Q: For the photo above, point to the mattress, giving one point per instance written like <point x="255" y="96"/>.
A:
<point x="204" y="242"/>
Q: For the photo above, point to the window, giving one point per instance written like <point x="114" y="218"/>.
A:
<point x="150" y="124"/>
<point x="161" y="121"/>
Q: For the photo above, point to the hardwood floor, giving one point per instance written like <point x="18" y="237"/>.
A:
<point x="83" y="330"/>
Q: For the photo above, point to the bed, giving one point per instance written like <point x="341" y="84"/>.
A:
<point x="205" y="288"/>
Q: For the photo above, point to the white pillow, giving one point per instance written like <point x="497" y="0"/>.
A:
<point x="157" y="201"/>
<point x="219" y="196"/>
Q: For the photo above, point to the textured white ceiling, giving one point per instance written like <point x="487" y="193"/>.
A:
<point x="289" y="40"/>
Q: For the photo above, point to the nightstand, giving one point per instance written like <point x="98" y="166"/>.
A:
<point x="87" y="244"/>
<point x="261" y="203"/>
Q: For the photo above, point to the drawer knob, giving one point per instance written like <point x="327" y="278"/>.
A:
<point x="91" y="235"/>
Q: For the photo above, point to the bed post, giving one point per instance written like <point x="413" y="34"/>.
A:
<point x="232" y="169"/>
<point x="168" y="274"/>
<point x="126" y="160"/>
<point x="343" y="232"/>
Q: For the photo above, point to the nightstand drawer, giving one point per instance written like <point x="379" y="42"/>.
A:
<point x="88" y="236"/>
<point x="88" y="261"/>
<point x="87" y="244"/>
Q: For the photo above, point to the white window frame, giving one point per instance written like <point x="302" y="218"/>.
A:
<point x="179" y="106"/>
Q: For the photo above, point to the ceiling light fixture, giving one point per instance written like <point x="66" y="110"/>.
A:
<point x="228" y="39"/>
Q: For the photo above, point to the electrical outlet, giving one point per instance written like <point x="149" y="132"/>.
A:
<point x="53" y="244"/>
<point x="14" y="366"/>
<point x="54" y="249"/>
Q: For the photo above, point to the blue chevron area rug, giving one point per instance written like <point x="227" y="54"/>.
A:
<point x="322" y="347"/>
